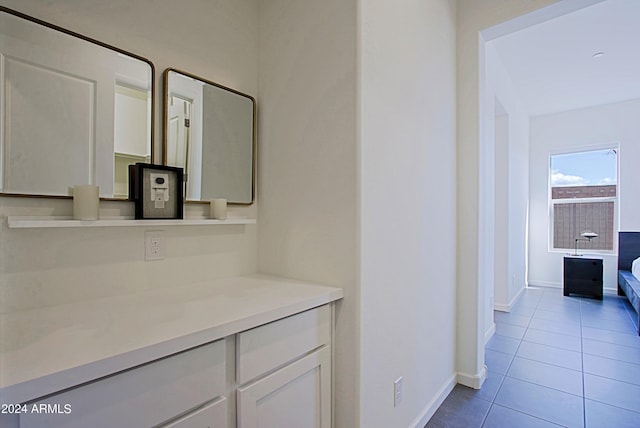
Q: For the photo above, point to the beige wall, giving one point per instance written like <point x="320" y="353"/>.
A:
<point x="42" y="267"/>
<point x="357" y="133"/>
<point x="407" y="184"/>
<point x="357" y="110"/>
<point x="308" y="180"/>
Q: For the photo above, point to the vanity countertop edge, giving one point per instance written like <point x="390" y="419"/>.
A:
<point x="51" y="349"/>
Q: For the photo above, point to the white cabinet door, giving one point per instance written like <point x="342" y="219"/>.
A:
<point x="298" y="395"/>
<point x="213" y="415"/>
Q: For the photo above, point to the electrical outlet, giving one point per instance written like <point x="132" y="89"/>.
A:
<point x="154" y="245"/>
<point x="397" y="392"/>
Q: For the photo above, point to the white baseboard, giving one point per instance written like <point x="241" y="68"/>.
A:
<point x="507" y="308"/>
<point x="605" y="290"/>
<point x="474" y="381"/>
<point x="489" y="333"/>
<point x="501" y="308"/>
<point x="433" y="405"/>
<point x="546" y="284"/>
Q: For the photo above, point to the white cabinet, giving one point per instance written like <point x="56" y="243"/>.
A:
<point x="273" y="376"/>
<point x="144" y="396"/>
<point x="212" y="415"/>
<point x="298" y="395"/>
<point x="284" y="372"/>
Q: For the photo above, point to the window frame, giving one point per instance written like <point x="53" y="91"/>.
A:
<point x="615" y="199"/>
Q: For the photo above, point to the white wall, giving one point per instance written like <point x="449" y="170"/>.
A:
<point x="353" y="205"/>
<point x="475" y="219"/>
<point x="575" y="130"/>
<point x="308" y="175"/>
<point x="407" y="185"/>
<point x="48" y="267"/>
<point x="507" y="126"/>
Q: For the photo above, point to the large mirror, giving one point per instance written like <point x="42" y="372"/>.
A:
<point x="210" y="132"/>
<point x="73" y="110"/>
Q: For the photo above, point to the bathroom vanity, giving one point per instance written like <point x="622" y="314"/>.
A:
<point x="239" y="352"/>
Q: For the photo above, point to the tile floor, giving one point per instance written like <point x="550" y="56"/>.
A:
<point x="555" y="361"/>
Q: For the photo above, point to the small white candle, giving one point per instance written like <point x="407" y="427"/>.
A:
<point x="219" y="209"/>
<point x="86" y="202"/>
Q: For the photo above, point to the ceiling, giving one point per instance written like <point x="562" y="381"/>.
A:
<point x="553" y="67"/>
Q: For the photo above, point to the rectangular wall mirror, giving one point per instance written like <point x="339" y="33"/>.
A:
<point x="210" y="132"/>
<point x="73" y="110"/>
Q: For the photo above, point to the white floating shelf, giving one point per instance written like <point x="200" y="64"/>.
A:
<point x="28" y="222"/>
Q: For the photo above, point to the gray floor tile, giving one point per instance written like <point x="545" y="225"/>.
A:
<point x="600" y="415"/>
<point x="555" y="316"/>
<point x="554" y="326"/>
<point x="555" y="377"/>
<point x="609" y="303"/>
<point x="624" y="339"/>
<point x="460" y="410"/>
<point x="503" y="417"/>
<point x="566" y="310"/>
<point x="567" y="305"/>
<point x="510" y="318"/>
<point x="524" y="311"/>
<point x="489" y="388"/>
<point x="542" y="402"/>
<point x="613" y="369"/>
<point x="537" y="381"/>
<point x="503" y="344"/>
<point x="572" y="343"/>
<point x="618" y="314"/>
<point x="607" y="324"/>
<point x="612" y="392"/>
<point x="610" y="350"/>
<point x="550" y="355"/>
<point x="508" y="330"/>
<point x="497" y="362"/>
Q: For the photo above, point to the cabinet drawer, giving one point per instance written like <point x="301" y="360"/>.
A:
<point x="143" y="396"/>
<point x="583" y="268"/>
<point x="272" y="345"/>
<point x="213" y="415"/>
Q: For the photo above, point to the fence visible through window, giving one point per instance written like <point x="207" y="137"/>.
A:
<point x="583" y="190"/>
<point x="570" y="220"/>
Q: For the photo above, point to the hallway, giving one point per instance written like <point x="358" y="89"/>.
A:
<point x="555" y="361"/>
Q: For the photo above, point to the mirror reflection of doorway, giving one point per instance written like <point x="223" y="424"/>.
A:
<point x="179" y="124"/>
<point x="131" y="130"/>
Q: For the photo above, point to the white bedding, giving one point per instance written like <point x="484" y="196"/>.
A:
<point x="635" y="268"/>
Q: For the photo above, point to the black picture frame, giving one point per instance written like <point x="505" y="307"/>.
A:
<point x="157" y="191"/>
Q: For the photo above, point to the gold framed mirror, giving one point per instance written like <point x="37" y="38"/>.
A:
<point x="73" y="110"/>
<point x="210" y="131"/>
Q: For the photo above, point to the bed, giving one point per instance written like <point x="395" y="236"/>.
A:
<point x="628" y="265"/>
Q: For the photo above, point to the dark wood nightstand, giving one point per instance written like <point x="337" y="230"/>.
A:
<point x="583" y="275"/>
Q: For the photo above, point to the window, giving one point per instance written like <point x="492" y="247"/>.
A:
<point x="583" y="188"/>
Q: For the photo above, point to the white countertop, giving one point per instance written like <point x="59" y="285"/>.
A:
<point x="47" y="350"/>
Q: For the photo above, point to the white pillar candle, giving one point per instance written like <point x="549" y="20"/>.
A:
<point x="219" y="209"/>
<point x="86" y="202"/>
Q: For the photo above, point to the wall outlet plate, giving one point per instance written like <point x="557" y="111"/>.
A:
<point x="397" y="392"/>
<point x="154" y="245"/>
